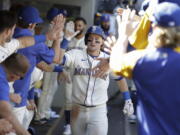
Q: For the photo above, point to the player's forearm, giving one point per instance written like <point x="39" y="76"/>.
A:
<point x="56" y="48"/>
<point x="122" y="84"/>
<point x="6" y="112"/>
<point x="64" y="46"/>
<point x="45" y="67"/>
<point x="27" y="41"/>
<point x="117" y="53"/>
<point x="49" y="68"/>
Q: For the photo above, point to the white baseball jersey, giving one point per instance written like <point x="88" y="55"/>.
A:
<point x="76" y="44"/>
<point x="87" y="90"/>
<point x="8" y="48"/>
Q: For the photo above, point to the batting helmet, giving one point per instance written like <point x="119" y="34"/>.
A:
<point x="94" y="30"/>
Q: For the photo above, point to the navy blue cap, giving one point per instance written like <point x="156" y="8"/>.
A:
<point x="166" y="15"/>
<point x="94" y="30"/>
<point x="105" y="18"/>
<point x="63" y="12"/>
<point x="29" y="15"/>
<point x="52" y="12"/>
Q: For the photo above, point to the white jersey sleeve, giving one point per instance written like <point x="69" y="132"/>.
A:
<point x="8" y="49"/>
<point x="70" y="58"/>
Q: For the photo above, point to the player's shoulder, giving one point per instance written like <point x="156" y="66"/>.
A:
<point x="13" y="43"/>
<point x="75" y="51"/>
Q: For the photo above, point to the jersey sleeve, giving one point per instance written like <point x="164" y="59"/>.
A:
<point x="8" y="49"/>
<point x="70" y="58"/>
<point x="139" y="38"/>
<point x="4" y="91"/>
<point x="45" y="53"/>
<point x="125" y="66"/>
<point x="31" y="94"/>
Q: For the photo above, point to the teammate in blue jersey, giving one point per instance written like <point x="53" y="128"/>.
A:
<point x="27" y="21"/>
<point x="155" y="71"/>
<point x="13" y="68"/>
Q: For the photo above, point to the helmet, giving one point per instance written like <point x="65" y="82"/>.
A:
<point x="105" y="18"/>
<point x="94" y="30"/>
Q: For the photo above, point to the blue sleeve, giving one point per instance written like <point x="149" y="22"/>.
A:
<point x="45" y="54"/>
<point x="31" y="94"/>
<point x="119" y="78"/>
<point x="58" y="69"/>
<point x="130" y="48"/>
<point x="64" y="44"/>
<point x="64" y="60"/>
<point x="4" y="90"/>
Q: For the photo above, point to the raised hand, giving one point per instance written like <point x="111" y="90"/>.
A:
<point x="69" y="31"/>
<point x="109" y="43"/>
<point x="57" y="28"/>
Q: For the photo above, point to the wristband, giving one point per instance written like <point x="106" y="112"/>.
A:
<point x="64" y="44"/>
<point x="39" y="38"/>
<point x="126" y="95"/>
<point x="58" y="69"/>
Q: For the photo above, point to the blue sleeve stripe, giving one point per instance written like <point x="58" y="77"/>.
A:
<point x="119" y="78"/>
<point x="64" y="60"/>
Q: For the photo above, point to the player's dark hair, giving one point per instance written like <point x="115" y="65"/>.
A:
<point x="22" y="24"/>
<point x="8" y="20"/>
<point x="16" y="63"/>
<point x="80" y="19"/>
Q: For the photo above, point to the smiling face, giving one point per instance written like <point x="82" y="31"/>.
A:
<point x="94" y="43"/>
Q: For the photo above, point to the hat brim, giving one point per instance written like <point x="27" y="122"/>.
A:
<point x="39" y="20"/>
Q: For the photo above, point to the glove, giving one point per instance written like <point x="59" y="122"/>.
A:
<point x="69" y="31"/>
<point x="128" y="107"/>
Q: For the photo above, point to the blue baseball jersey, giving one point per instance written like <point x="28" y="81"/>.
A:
<point x="36" y="53"/>
<point x="4" y="87"/>
<point x="156" y="76"/>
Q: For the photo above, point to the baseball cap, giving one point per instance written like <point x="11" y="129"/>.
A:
<point x="52" y="12"/>
<point x="105" y="18"/>
<point x="94" y="30"/>
<point x="166" y="15"/>
<point x="63" y="12"/>
<point x="29" y="15"/>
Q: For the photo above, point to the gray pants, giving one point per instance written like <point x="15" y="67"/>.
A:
<point x="89" y="120"/>
<point x="46" y="98"/>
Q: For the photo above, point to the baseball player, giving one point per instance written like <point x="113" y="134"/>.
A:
<point x="89" y="94"/>
<point x="154" y="71"/>
<point x="13" y="68"/>
<point x="28" y="17"/>
<point x="50" y="78"/>
<point x="105" y="24"/>
<point x="76" y="42"/>
<point x="9" y="45"/>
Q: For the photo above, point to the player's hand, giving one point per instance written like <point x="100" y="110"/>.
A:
<point x="128" y="107"/>
<point x="63" y="77"/>
<point x="69" y="31"/>
<point x="108" y="44"/>
<point x="126" y="23"/>
<point x="57" y="28"/>
<point x="5" y="127"/>
<point x="102" y="68"/>
<point x="15" y="98"/>
<point x="31" y="105"/>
